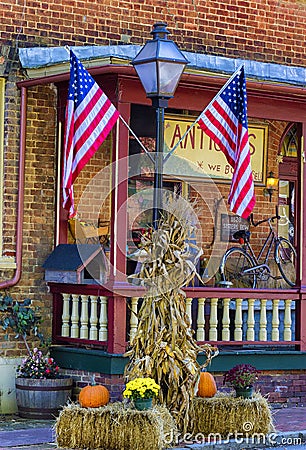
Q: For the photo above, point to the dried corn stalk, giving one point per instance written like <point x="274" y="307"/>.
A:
<point x="164" y="347"/>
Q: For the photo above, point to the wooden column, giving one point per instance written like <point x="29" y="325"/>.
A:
<point x="116" y="310"/>
<point x="119" y="198"/>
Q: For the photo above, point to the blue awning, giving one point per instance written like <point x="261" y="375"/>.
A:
<point x="35" y="58"/>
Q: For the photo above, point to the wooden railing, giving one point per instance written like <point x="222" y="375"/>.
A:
<point x="91" y="315"/>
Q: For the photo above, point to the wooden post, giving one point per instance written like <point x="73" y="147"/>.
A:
<point x="116" y="325"/>
<point x="301" y="322"/>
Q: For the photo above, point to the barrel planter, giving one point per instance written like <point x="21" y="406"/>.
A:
<point x="42" y="399"/>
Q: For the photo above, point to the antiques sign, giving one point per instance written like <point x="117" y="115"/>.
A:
<point x="198" y="156"/>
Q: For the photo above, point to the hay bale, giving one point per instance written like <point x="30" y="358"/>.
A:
<point x="225" y="415"/>
<point x="113" y="427"/>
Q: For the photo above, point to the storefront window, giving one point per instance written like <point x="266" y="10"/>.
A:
<point x="287" y="184"/>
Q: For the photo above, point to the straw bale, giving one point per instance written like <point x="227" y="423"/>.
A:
<point x="115" y="426"/>
<point x="224" y="414"/>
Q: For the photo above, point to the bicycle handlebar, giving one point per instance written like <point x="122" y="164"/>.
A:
<point x="270" y="219"/>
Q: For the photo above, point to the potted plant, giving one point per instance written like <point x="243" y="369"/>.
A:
<point x="141" y="391"/>
<point x="241" y="378"/>
<point x="40" y="389"/>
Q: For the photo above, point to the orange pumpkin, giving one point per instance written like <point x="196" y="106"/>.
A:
<point x="93" y="396"/>
<point x="207" y="385"/>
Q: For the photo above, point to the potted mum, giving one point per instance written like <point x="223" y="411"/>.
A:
<point x="141" y="391"/>
<point x="40" y="389"/>
<point x="241" y="378"/>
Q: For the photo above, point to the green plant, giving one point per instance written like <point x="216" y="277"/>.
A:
<point x="141" y="388"/>
<point x="36" y="365"/>
<point x="20" y="318"/>
<point x="23" y="320"/>
<point x="241" y="376"/>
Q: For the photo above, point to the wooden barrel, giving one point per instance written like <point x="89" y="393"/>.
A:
<point x="42" y="399"/>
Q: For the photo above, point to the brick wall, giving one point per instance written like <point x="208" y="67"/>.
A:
<point x="282" y="388"/>
<point x="39" y="200"/>
<point x="270" y="31"/>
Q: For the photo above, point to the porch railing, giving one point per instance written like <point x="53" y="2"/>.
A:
<point x="91" y="315"/>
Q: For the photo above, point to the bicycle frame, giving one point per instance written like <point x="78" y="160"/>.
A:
<point x="258" y="265"/>
<point x="267" y="246"/>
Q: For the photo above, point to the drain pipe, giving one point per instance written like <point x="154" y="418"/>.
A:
<point x="20" y="206"/>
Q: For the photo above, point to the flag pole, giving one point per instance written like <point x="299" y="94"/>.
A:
<point x="198" y="118"/>
<point x="137" y="139"/>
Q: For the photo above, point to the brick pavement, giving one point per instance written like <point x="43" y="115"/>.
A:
<point x="17" y="434"/>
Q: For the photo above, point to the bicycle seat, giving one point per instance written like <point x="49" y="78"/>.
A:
<point x="242" y="234"/>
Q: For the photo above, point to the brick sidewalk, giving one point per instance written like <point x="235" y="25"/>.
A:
<point x="19" y="434"/>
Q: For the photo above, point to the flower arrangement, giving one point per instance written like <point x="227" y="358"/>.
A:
<point x="141" y="388"/>
<point x="36" y="365"/>
<point x="241" y="376"/>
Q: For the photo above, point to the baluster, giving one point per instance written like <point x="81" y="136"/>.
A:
<point x="189" y="309"/>
<point x="275" y="320"/>
<point x="226" y="320"/>
<point x="287" y="320"/>
<point x="75" y="316"/>
<point x="201" y="320"/>
<point x="103" y="319"/>
<point x="238" y="320"/>
<point x="84" y="317"/>
<point x="251" y="320"/>
<point x="65" y="315"/>
<point x="213" y="334"/>
<point x="134" y="317"/>
<point x="263" y="320"/>
<point x="93" y="332"/>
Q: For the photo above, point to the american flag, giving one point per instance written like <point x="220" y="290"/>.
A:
<point x="90" y="116"/>
<point x="225" y="121"/>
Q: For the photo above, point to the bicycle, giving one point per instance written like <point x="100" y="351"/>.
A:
<point x="241" y="268"/>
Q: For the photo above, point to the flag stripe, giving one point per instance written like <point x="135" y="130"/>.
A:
<point x="90" y="116"/>
<point x="225" y="122"/>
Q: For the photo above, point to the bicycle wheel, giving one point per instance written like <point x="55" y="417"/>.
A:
<point x="233" y="267"/>
<point x="285" y="257"/>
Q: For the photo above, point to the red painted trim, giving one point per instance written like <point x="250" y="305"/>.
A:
<point x="301" y="323"/>
<point x="119" y="236"/>
<point x="263" y="343"/>
<point x="57" y="315"/>
<point x="58" y="339"/>
<point x="199" y="80"/>
<point x="116" y="325"/>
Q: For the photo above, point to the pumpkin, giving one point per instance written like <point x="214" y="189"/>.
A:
<point x="207" y="385"/>
<point x="93" y="396"/>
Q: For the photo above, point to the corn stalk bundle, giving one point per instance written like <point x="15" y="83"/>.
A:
<point x="164" y="347"/>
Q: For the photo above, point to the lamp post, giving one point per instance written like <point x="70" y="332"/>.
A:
<point x="159" y="65"/>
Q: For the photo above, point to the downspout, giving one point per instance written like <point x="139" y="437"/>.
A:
<point x="20" y="205"/>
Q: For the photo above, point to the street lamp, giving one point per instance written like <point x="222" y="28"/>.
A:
<point x="159" y="65"/>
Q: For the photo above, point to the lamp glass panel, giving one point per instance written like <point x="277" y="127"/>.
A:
<point x="148" y="51"/>
<point x="272" y="182"/>
<point x="169" y="50"/>
<point x="169" y="76"/>
<point x="147" y="76"/>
